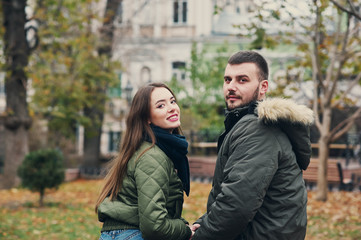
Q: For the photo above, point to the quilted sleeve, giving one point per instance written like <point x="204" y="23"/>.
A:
<point x="152" y="179"/>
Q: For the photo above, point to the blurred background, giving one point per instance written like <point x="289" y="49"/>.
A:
<point x="69" y="70"/>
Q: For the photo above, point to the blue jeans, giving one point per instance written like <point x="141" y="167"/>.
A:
<point x="127" y="234"/>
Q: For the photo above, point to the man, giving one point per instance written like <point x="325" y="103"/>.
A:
<point x="258" y="190"/>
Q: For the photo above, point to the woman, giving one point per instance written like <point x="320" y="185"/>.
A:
<point x="143" y="193"/>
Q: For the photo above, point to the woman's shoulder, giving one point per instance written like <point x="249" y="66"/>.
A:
<point x="147" y="152"/>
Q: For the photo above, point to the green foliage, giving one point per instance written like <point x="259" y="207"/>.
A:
<point x="66" y="69"/>
<point x="204" y="104"/>
<point x="42" y="169"/>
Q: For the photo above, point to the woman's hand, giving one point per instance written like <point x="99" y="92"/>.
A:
<point x="193" y="228"/>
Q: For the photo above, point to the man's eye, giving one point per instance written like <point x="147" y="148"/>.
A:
<point x="227" y="79"/>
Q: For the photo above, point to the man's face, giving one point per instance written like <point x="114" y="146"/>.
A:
<point x="241" y="85"/>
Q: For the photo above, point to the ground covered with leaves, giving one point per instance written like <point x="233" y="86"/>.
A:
<point x="69" y="213"/>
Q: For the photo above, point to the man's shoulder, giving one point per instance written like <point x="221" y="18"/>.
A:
<point x="279" y="110"/>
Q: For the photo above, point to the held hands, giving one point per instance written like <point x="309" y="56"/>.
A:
<point x="194" y="227"/>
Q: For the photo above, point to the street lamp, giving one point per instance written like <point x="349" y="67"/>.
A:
<point x="128" y="92"/>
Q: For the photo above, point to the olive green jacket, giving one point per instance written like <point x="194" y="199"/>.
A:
<point x="150" y="199"/>
<point x="258" y="190"/>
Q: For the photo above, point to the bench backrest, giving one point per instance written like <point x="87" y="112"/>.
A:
<point x="333" y="171"/>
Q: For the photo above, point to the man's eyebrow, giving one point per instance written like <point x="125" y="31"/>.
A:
<point x="242" y="75"/>
<point x="237" y="76"/>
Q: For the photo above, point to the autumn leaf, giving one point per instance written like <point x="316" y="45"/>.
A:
<point x="69" y="212"/>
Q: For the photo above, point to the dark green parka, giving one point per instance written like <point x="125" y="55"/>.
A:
<point x="258" y="190"/>
<point x="150" y="199"/>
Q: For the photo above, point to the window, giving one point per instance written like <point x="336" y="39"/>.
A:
<point x="116" y="91"/>
<point x="114" y="138"/>
<point x="119" y="14"/>
<point x="178" y="70"/>
<point x="145" y="75"/>
<point x="180" y="11"/>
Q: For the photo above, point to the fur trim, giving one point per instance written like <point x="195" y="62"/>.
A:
<point x="275" y="109"/>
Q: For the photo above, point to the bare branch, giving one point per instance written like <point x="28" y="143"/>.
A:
<point x="344" y="126"/>
<point x="315" y="95"/>
<point x="316" y="41"/>
<point x="316" y="66"/>
<point x="349" y="88"/>
<point x="343" y="57"/>
<point x="353" y="10"/>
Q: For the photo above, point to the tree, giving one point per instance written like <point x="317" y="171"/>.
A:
<point x="16" y="118"/>
<point x="70" y="74"/>
<point x="205" y="71"/>
<point x="95" y="112"/>
<point x="40" y="170"/>
<point x="328" y="40"/>
<point x="341" y="65"/>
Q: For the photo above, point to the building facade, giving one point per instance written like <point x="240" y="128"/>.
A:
<point x="153" y="41"/>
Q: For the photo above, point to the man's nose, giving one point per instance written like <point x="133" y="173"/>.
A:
<point x="231" y="85"/>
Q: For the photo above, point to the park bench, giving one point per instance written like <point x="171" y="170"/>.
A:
<point x="335" y="177"/>
<point x="202" y="168"/>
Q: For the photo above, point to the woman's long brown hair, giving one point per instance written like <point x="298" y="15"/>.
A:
<point x="137" y="126"/>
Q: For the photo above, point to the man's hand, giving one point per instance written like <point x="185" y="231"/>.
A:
<point x="194" y="227"/>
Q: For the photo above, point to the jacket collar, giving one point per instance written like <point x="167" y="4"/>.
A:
<point x="293" y="119"/>
<point x="234" y="115"/>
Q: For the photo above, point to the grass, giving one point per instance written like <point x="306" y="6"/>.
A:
<point x="69" y="213"/>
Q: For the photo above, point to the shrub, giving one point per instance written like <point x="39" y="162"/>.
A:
<point x="42" y="169"/>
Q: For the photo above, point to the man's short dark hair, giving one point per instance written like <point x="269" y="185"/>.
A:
<point x="251" y="57"/>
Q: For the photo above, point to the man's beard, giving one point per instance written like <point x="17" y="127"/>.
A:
<point x="243" y="104"/>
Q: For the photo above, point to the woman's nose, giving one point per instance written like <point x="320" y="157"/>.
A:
<point x="171" y="108"/>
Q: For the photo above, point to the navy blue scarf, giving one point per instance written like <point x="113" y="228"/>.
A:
<point x="175" y="147"/>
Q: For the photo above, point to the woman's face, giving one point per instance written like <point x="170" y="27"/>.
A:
<point x="164" y="110"/>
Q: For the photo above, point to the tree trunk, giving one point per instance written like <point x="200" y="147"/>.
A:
<point x="17" y="120"/>
<point x="16" y="147"/>
<point x="41" y="197"/>
<point x="92" y="134"/>
<point x="323" y="155"/>
<point x="92" y="137"/>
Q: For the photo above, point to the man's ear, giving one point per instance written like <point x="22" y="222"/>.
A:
<point x="263" y="88"/>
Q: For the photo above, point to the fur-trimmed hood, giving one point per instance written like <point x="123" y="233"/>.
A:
<point x="294" y="120"/>
<point x="284" y="110"/>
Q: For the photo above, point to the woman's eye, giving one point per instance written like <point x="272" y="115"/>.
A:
<point x="160" y="106"/>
